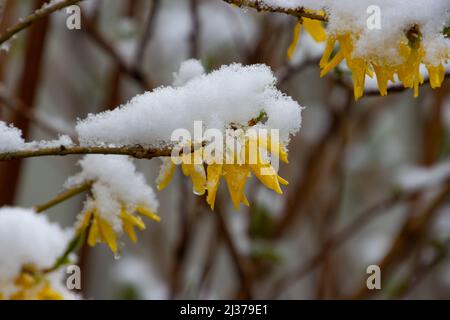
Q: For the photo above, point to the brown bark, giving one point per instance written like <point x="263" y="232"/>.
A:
<point x="27" y="90"/>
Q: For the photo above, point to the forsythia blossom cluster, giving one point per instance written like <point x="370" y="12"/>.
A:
<point x="411" y="34"/>
<point x="117" y="192"/>
<point x="248" y="154"/>
<point x="231" y="101"/>
<point x="30" y="245"/>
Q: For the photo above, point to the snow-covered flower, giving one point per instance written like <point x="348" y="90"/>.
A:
<point x="206" y="173"/>
<point x="117" y="192"/>
<point x="29" y="246"/>
<point x="228" y="101"/>
<point x="411" y="33"/>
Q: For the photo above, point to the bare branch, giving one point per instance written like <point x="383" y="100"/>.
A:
<point x="35" y="16"/>
<point x="108" y="47"/>
<point x="148" y="33"/>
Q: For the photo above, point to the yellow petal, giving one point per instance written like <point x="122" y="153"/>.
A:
<point x="236" y="177"/>
<point x="47" y="293"/>
<point x="133" y="220"/>
<point x="337" y="59"/>
<point x="93" y="233"/>
<point x="382" y="79"/>
<point x="265" y="142"/>
<point x="327" y="52"/>
<point x="148" y="213"/>
<point x="245" y="201"/>
<point x="198" y="176"/>
<point x="436" y="75"/>
<point x="86" y="220"/>
<point x="269" y="179"/>
<point x="128" y="223"/>
<point x="108" y="234"/>
<point x="25" y="280"/>
<point x="165" y="174"/>
<point x="129" y="230"/>
<point x="358" y="67"/>
<point x="296" y="37"/>
<point x="282" y="181"/>
<point x="214" y="172"/>
<point x="315" y="29"/>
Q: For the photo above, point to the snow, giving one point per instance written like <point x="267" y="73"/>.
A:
<point x="116" y="183"/>
<point x="62" y="141"/>
<point x="350" y="16"/>
<point x="28" y="238"/>
<point x="231" y="94"/>
<point x="10" y="138"/>
<point x="416" y="178"/>
<point x="189" y="69"/>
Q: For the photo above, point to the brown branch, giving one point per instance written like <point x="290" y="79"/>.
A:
<point x="292" y="70"/>
<point x="35" y="16"/>
<point x="137" y="151"/>
<point x="309" y="178"/>
<point x="17" y="106"/>
<point x="260" y="6"/>
<point x="406" y="238"/>
<point x="238" y="260"/>
<point x="187" y="226"/>
<point x="194" y="47"/>
<point x="27" y="90"/>
<point x="108" y="48"/>
<point x="148" y="33"/>
<point x="336" y="240"/>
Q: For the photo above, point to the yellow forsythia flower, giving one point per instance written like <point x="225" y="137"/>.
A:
<point x="235" y="174"/>
<point x="101" y="230"/>
<point x="33" y="287"/>
<point x="411" y="52"/>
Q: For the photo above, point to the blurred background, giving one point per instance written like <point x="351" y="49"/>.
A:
<point x="369" y="180"/>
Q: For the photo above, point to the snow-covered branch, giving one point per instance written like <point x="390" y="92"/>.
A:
<point x="136" y="151"/>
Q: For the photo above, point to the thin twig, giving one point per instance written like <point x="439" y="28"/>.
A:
<point x="148" y="33"/>
<point x="291" y="70"/>
<point x="195" y="29"/>
<point x="336" y="240"/>
<point x="108" y="47"/>
<point x="260" y="6"/>
<point x="406" y="237"/>
<point x="35" y="16"/>
<point x="235" y="255"/>
<point x="64" y="196"/>
<point x="16" y="105"/>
